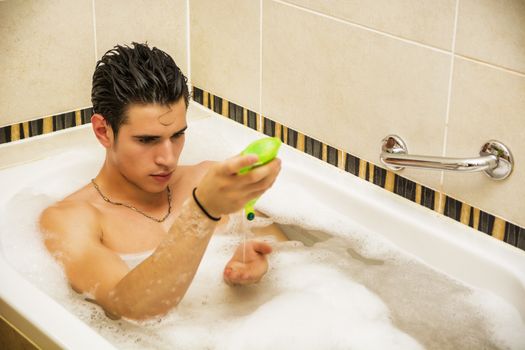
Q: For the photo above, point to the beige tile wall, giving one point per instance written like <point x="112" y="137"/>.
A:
<point x="161" y="23"/>
<point x="48" y="48"/>
<point x="349" y="87"/>
<point x="493" y="31"/>
<point x="225" y="49"/>
<point x="47" y="53"/>
<point x="444" y="75"/>
<point x="488" y="103"/>
<point x="427" y="21"/>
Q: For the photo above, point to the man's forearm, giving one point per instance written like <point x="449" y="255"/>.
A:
<point x="159" y="282"/>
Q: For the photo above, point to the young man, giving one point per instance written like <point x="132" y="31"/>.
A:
<point x="142" y="200"/>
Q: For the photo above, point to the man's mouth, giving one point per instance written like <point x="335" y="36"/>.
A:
<point x="162" y="177"/>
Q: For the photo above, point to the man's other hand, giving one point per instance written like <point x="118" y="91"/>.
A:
<point x="248" y="264"/>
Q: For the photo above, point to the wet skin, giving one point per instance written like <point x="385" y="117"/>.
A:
<point x="86" y="233"/>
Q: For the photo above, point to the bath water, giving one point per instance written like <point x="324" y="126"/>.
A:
<point x="343" y="287"/>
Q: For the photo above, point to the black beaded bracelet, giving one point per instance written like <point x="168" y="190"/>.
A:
<point x="202" y="208"/>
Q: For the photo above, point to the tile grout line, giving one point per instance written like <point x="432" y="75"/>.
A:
<point x="94" y="31"/>
<point x="490" y="65"/>
<point x="449" y="98"/>
<point x="260" y="54"/>
<point x="188" y="44"/>
<point x="451" y="76"/>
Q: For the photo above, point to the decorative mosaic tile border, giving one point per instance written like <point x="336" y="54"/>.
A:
<point x="45" y="125"/>
<point x="439" y="202"/>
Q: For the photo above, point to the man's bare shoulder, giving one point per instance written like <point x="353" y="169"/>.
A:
<point x="73" y="211"/>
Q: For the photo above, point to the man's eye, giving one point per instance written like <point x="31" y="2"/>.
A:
<point x="178" y="135"/>
<point x="146" y="140"/>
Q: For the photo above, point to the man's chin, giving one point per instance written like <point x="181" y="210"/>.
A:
<point x="156" y="187"/>
<point x="148" y="184"/>
<point x="153" y="189"/>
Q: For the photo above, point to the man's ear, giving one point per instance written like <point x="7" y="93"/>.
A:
<point x="102" y="130"/>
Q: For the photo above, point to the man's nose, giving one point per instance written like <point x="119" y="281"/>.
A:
<point x="165" y="154"/>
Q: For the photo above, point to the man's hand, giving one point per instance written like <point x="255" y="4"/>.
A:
<point x="248" y="264"/>
<point x="223" y="191"/>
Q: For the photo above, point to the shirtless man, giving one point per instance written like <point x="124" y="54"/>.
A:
<point x="142" y="200"/>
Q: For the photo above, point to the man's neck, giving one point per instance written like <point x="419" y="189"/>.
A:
<point x="117" y="187"/>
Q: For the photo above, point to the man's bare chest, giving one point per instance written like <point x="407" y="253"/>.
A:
<point x="127" y="231"/>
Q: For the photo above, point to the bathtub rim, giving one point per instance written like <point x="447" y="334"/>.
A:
<point x="34" y="322"/>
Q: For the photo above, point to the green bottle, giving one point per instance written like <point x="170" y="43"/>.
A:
<point x="266" y="149"/>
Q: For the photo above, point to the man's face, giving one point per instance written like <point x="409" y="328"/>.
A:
<point x="149" y="143"/>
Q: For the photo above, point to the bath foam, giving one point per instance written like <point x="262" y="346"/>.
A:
<point x="214" y="315"/>
<point x="504" y="320"/>
<point x="407" y="303"/>
<point x="480" y="319"/>
<point x="238" y="318"/>
<point x="457" y="315"/>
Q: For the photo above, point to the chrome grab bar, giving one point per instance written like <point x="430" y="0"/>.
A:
<point x="495" y="159"/>
<point x="458" y="164"/>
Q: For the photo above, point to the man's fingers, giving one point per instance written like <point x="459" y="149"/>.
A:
<point x="273" y="166"/>
<point x="235" y="164"/>
<point x="262" y="184"/>
<point x="241" y="277"/>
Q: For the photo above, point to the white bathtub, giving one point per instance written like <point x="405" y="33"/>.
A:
<point x="446" y="245"/>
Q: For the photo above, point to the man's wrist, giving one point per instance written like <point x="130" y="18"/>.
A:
<point x="201" y="205"/>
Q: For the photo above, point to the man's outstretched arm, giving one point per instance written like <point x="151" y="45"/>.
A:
<point x="159" y="282"/>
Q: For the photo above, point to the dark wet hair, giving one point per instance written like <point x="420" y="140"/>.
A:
<point x="138" y="74"/>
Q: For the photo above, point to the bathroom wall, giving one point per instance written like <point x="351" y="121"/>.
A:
<point x="49" y="48"/>
<point x="445" y="75"/>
